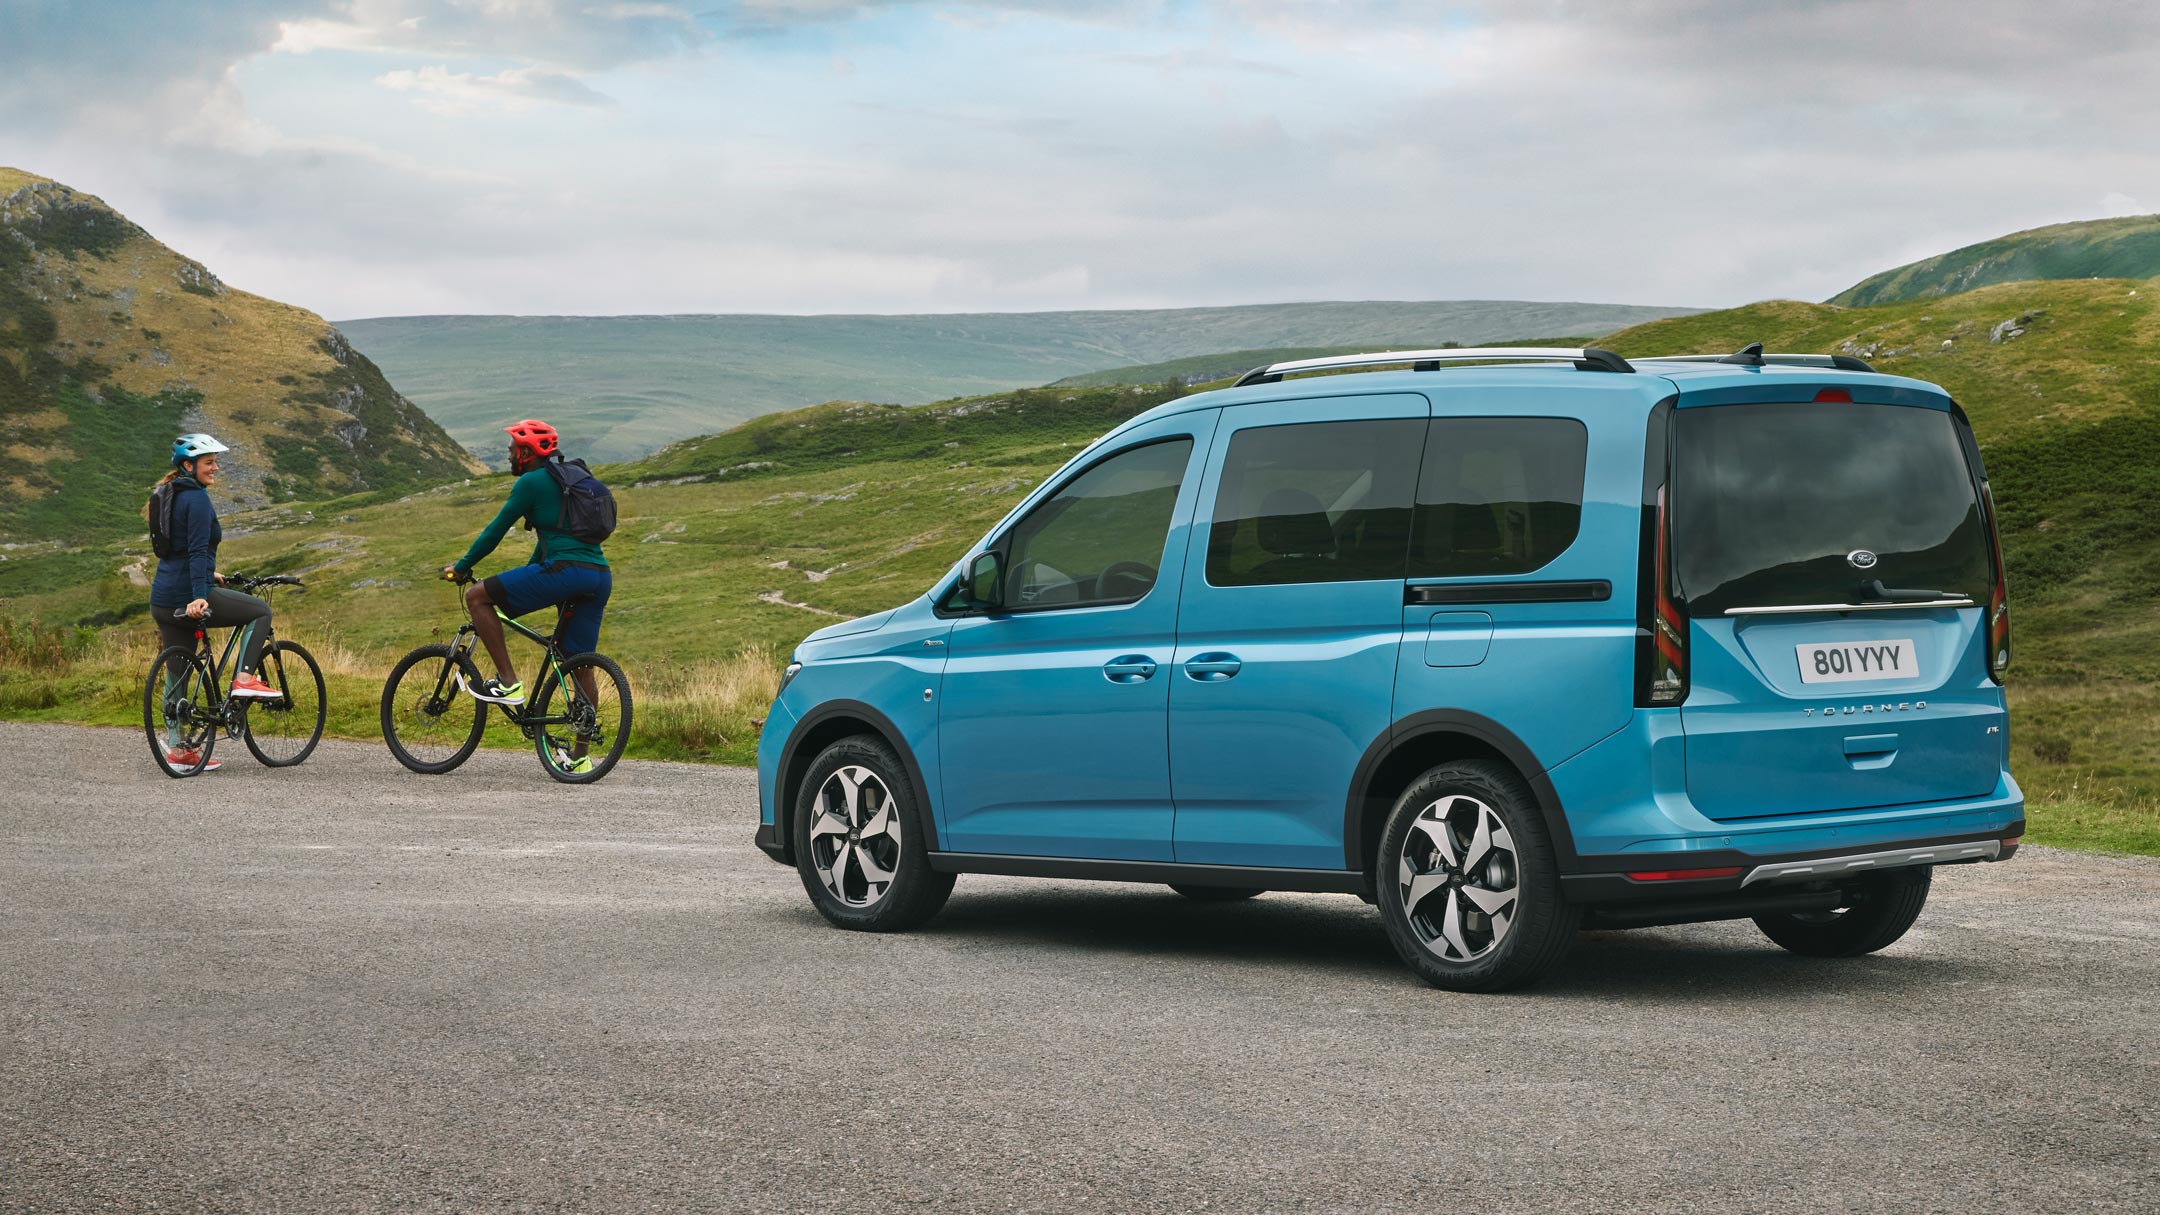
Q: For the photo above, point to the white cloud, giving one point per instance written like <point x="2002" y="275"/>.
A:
<point x="443" y="91"/>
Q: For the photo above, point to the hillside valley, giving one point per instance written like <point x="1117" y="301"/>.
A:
<point x="111" y="344"/>
<point x="623" y="386"/>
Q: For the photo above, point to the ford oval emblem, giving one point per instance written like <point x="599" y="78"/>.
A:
<point x="1862" y="559"/>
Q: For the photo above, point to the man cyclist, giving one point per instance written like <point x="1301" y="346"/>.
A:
<point x="562" y="567"/>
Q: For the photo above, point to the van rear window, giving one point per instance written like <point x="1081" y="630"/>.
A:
<point x="1771" y="502"/>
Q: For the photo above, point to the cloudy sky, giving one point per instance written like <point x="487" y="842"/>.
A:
<point x="381" y="157"/>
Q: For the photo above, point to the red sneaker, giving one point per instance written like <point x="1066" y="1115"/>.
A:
<point x="188" y="757"/>
<point x="245" y="684"/>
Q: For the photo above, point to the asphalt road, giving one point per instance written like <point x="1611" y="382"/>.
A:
<point x="347" y="988"/>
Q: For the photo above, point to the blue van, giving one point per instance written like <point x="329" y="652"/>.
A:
<point x="1508" y="642"/>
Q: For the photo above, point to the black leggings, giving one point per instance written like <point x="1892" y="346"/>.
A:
<point x="228" y="609"/>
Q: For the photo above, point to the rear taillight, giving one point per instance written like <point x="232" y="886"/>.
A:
<point x="1661" y="628"/>
<point x="1685" y="875"/>
<point x="1998" y="611"/>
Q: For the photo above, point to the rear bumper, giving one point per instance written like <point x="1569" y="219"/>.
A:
<point x="1747" y="883"/>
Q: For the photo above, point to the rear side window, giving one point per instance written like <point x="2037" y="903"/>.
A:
<point x="1771" y="504"/>
<point x="1099" y="539"/>
<point x="1315" y="502"/>
<point x="1498" y="496"/>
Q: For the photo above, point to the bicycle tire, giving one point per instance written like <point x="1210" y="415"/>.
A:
<point x="201" y="725"/>
<point x="397" y="742"/>
<point x="278" y="674"/>
<point x="549" y="744"/>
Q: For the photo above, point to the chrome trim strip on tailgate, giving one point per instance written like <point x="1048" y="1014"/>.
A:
<point x="1961" y="601"/>
<point x="1833" y="866"/>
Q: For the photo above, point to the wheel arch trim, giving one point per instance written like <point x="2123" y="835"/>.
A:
<point x="1475" y="727"/>
<point x="793" y="764"/>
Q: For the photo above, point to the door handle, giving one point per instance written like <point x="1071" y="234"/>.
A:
<point x="1213" y="666"/>
<point x="1129" y="668"/>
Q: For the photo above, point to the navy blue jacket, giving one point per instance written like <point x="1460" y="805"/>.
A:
<point x="195" y="535"/>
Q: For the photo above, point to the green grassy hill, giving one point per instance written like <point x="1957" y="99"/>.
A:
<point x="735" y="545"/>
<point x="111" y="344"/>
<point x="622" y="387"/>
<point x="2099" y="248"/>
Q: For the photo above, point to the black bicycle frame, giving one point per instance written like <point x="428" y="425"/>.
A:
<point x="461" y="655"/>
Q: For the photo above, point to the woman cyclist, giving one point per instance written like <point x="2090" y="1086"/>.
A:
<point x="187" y="576"/>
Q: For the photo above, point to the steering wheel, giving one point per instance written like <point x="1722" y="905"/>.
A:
<point x="1139" y="573"/>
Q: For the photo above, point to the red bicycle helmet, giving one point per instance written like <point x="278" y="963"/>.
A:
<point x="531" y="442"/>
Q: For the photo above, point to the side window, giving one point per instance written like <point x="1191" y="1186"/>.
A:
<point x="1099" y="539"/>
<point x="1497" y="496"/>
<point x="1315" y="502"/>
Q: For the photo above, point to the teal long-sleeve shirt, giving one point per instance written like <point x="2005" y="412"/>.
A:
<point x="536" y="498"/>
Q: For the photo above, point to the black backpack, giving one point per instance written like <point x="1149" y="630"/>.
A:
<point x="161" y="509"/>
<point x="588" y="507"/>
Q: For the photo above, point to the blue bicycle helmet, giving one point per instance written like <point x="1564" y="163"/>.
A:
<point x="187" y="447"/>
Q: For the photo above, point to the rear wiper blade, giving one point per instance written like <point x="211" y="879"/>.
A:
<point x="1897" y="594"/>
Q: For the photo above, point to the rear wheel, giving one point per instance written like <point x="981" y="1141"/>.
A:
<point x="1466" y="881"/>
<point x="1216" y="894"/>
<point x="430" y="725"/>
<point x="1878" y="909"/>
<point x="859" y="843"/>
<point x="178" y="717"/>
<point x="284" y="731"/>
<point x="596" y="711"/>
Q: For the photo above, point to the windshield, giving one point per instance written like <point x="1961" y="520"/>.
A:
<point x="1771" y="501"/>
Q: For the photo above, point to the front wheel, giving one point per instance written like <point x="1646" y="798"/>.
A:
<point x="180" y="712"/>
<point x="594" y="724"/>
<point x="1877" y="910"/>
<point x="431" y="725"/>
<point x="282" y="732"/>
<point x="859" y="843"/>
<point x="1467" y="883"/>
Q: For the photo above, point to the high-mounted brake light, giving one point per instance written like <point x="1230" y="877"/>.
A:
<point x="1661" y="630"/>
<point x="1998" y="612"/>
<point x="1685" y="875"/>
<point x="1837" y="396"/>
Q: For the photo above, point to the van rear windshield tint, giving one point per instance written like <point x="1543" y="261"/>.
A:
<point x="1770" y="501"/>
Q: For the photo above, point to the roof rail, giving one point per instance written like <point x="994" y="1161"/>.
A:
<point x="1751" y="355"/>
<point x="1589" y="358"/>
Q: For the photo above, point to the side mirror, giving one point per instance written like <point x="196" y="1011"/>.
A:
<point x="984" y="586"/>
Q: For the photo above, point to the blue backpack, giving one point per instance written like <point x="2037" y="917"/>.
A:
<point x="588" y="507"/>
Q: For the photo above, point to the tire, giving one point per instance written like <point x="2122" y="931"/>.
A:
<point x="604" y="721"/>
<point x="1216" y="894"/>
<point x="1879" y="908"/>
<point x="428" y="733"/>
<point x="1466" y="881"/>
<point x="185" y="711"/>
<point x="284" y="732"/>
<point x="857" y="805"/>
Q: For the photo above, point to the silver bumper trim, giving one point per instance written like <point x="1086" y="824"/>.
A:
<point x="1834" y="866"/>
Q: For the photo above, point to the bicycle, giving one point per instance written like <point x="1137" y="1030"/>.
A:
<point x="186" y="704"/>
<point x="425" y="705"/>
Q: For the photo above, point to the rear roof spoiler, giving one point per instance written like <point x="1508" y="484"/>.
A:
<point x="1751" y="355"/>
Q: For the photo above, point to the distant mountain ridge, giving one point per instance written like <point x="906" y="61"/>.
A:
<point x="111" y="344"/>
<point x="2094" y="248"/>
<point x="623" y="387"/>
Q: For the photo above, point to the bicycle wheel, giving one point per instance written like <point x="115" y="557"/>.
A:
<point x="431" y="725"/>
<point x="180" y="712"/>
<point x="597" y="718"/>
<point x="284" y="731"/>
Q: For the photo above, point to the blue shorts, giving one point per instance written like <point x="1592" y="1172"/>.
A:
<point x="527" y="588"/>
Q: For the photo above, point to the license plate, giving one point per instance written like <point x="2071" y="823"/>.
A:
<point x="1844" y="662"/>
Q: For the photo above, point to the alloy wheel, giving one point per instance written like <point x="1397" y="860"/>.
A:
<point x="855" y="838"/>
<point x="1458" y="878"/>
